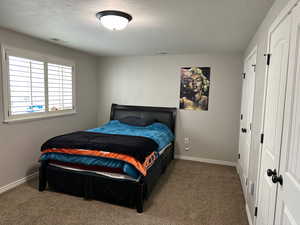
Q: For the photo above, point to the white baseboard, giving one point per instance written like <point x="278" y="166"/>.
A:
<point x="238" y="168"/>
<point x="212" y="161"/>
<point x="18" y="182"/>
<point x="249" y="215"/>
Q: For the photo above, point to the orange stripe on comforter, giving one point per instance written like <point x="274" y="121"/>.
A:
<point x="142" y="168"/>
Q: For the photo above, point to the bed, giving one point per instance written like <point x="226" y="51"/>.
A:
<point x="127" y="179"/>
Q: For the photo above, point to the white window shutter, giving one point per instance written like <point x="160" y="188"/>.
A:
<point x="26" y="86"/>
<point x="36" y="87"/>
<point x="60" y="87"/>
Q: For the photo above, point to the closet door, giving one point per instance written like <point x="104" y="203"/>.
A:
<point x="275" y="91"/>
<point x="288" y="203"/>
<point x="246" y="117"/>
<point x="242" y="138"/>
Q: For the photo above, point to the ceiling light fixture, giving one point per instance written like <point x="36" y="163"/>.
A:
<point x="114" y="20"/>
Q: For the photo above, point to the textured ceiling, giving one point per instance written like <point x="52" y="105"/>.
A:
<point x="173" y="26"/>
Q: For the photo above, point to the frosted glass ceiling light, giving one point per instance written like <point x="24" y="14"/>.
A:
<point x="114" y="20"/>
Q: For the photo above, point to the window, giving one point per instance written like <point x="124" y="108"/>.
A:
<point x="36" y="86"/>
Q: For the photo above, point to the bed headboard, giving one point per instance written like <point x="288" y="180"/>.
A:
<point x="163" y="115"/>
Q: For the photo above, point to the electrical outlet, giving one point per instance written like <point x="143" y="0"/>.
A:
<point x="187" y="143"/>
<point x="186" y="140"/>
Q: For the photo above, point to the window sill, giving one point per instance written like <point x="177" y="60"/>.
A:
<point x="40" y="117"/>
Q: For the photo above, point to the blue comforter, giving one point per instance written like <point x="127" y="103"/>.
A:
<point x="158" y="132"/>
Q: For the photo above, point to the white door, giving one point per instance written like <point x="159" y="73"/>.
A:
<point x="246" y="117"/>
<point x="288" y="203"/>
<point x="275" y="91"/>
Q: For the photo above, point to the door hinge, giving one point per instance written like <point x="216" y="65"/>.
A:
<point x="254" y="67"/>
<point x="242" y="116"/>
<point x="262" y="136"/>
<point x="244" y="75"/>
<point x="250" y="126"/>
<point x="239" y="156"/>
<point x="268" y="58"/>
<point x="252" y="189"/>
<point x="255" y="211"/>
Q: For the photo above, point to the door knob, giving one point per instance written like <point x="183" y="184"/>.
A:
<point x="277" y="179"/>
<point x="271" y="172"/>
<point x="244" y="130"/>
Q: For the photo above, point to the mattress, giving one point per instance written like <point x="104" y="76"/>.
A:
<point x="119" y="176"/>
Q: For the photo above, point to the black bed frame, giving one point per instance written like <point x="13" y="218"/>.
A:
<point x="95" y="186"/>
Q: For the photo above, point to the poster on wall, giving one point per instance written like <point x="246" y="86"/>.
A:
<point x="194" y="88"/>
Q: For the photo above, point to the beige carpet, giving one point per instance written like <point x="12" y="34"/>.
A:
<point x="189" y="193"/>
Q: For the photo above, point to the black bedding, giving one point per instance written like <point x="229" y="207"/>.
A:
<point x="134" y="146"/>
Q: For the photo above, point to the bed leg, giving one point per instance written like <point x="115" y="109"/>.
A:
<point x="88" y="189"/>
<point x="42" y="176"/>
<point x="140" y="198"/>
<point x="173" y="153"/>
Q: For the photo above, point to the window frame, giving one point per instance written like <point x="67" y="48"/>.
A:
<point x="46" y="59"/>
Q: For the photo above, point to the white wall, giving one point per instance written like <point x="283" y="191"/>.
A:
<point x="155" y="81"/>
<point x="20" y="142"/>
<point x="259" y="39"/>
